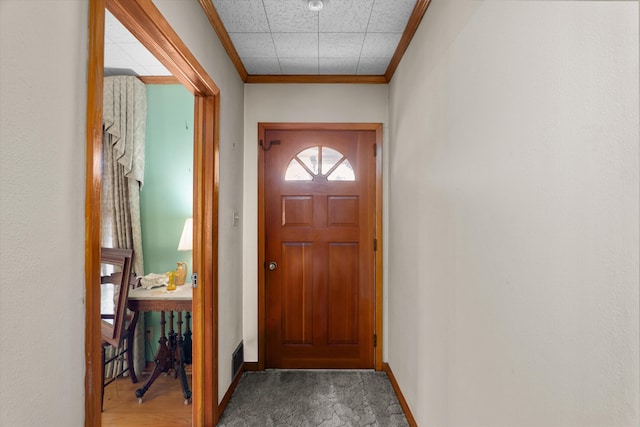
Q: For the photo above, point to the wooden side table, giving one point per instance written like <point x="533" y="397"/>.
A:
<point x="172" y="352"/>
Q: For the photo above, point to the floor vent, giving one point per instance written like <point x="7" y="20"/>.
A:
<point x="237" y="359"/>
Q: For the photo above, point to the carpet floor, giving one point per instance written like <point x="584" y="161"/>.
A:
<point x="318" y="398"/>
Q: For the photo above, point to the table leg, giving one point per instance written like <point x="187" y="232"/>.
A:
<point x="164" y="360"/>
<point x="187" y="340"/>
<point x="180" y="363"/>
<point x="172" y="341"/>
<point x="183" y="375"/>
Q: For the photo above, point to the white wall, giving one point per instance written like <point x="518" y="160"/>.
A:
<point x="191" y="24"/>
<point x="294" y="103"/>
<point x="514" y="194"/>
<point x="43" y="74"/>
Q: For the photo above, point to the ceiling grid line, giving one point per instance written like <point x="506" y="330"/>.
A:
<point x="362" y="47"/>
<point x="264" y="8"/>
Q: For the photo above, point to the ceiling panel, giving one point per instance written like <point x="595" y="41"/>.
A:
<point x="253" y="45"/>
<point x="380" y="45"/>
<point x="372" y="66"/>
<point x="299" y="65"/>
<point x="341" y="45"/>
<point x="345" y="16"/>
<point x="358" y="38"/>
<point x="338" y="65"/>
<point x="287" y="16"/>
<point x="124" y="54"/>
<point x="351" y="37"/>
<point x="296" y="45"/>
<point x="390" y="16"/>
<point x="243" y="16"/>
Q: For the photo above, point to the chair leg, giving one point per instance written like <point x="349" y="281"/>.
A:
<point x="131" y="333"/>
<point x="103" y="369"/>
<point x="132" y="370"/>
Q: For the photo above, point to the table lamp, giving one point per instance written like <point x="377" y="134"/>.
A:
<point x="185" y="244"/>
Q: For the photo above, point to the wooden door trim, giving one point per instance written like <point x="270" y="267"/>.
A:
<point x="147" y="24"/>
<point x="378" y="254"/>
<point x="93" y="192"/>
<point x="378" y="322"/>
<point x="159" y="80"/>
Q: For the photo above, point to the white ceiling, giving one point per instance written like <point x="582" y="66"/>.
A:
<point x="124" y="54"/>
<point x="348" y="37"/>
<point x="283" y="37"/>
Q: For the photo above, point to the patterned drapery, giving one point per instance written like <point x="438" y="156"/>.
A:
<point x="124" y="115"/>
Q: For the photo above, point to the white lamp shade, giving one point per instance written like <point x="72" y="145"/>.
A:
<point x="186" y="239"/>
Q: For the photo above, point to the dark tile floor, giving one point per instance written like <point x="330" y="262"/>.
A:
<point x="324" y="398"/>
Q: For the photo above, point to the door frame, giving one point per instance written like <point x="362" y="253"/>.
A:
<point x="147" y="24"/>
<point x="378" y="300"/>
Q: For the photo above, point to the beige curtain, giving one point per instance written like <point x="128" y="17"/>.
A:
<point x="124" y="115"/>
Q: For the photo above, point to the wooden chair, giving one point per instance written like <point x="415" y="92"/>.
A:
<point x="117" y="328"/>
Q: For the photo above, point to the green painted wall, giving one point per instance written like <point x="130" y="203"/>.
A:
<point x="166" y="198"/>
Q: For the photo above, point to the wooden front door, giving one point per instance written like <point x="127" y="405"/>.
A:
<point x="320" y="191"/>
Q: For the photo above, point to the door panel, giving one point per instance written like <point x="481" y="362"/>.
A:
<point x="297" y="211"/>
<point x="343" y="293"/>
<point x="297" y="293"/>
<point x="343" y="211"/>
<point x="319" y="229"/>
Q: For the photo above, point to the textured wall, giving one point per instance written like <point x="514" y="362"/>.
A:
<point x="294" y="103"/>
<point x="513" y="266"/>
<point x="43" y="74"/>
<point x="166" y="199"/>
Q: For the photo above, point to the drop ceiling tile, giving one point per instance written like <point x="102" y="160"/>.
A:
<point x="372" y="66"/>
<point x="157" y="70"/>
<point x="253" y="44"/>
<point x="350" y="16"/>
<point x="116" y="57"/>
<point x="242" y="16"/>
<point x="285" y="37"/>
<point x="290" y="16"/>
<point x="338" y="65"/>
<point x="133" y="56"/>
<point x="141" y="55"/>
<point x="296" y="45"/>
<point x="268" y="65"/>
<point x="116" y="32"/>
<point x="299" y="65"/>
<point x="380" y="45"/>
<point x="390" y="16"/>
<point x="123" y="51"/>
<point x="339" y="45"/>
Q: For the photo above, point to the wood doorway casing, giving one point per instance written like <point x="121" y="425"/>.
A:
<point x="262" y="129"/>
<point x="148" y="25"/>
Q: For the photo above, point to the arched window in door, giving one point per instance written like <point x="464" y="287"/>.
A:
<point x="322" y="162"/>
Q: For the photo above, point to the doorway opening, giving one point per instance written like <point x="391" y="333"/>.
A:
<point x="148" y="25"/>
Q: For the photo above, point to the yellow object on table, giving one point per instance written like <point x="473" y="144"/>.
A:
<point x="181" y="273"/>
<point x="172" y="280"/>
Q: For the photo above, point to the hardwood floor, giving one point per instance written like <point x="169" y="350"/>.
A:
<point x="163" y="404"/>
